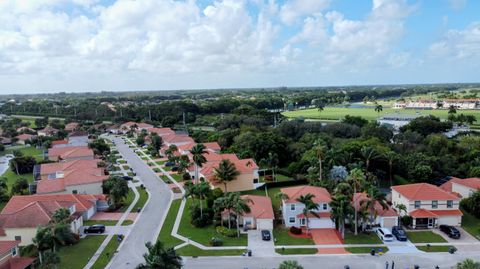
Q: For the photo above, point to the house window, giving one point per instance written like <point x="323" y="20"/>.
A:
<point x="292" y="207"/>
<point x="417" y="204"/>
<point x="18" y="238"/>
<point x="14" y="251"/>
<point x="74" y="192"/>
<point x="434" y="204"/>
<point x="291" y="220"/>
<point x="449" y="203"/>
<point x="325" y="206"/>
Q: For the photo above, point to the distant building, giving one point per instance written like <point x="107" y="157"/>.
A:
<point x="24" y="139"/>
<point x="72" y="126"/>
<point x="48" y="131"/>
<point x="397" y="120"/>
<point x="462" y="187"/>
<point x="70" y="154"/>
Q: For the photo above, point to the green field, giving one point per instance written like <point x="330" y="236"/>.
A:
<point x="106" y="254"/>
<point x="165" y="235"/>
<point x="434" y="248"/>
<point x="338" y="113"/>
<point x="425" y="237"/>
<point x="78" y="255"/>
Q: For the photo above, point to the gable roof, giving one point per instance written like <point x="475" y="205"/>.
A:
<point x="321" y="194"/>
<point x="24" y="137"/>
<point x="71" y="126"/>
<point x="82" y="202"/>
<point x="32" y="215"/>
<point x="6" y="246"/>
<point x="423" y="191"/>
<point x="473" y="183"/>
<point x="379" y="210"/>
<point x="71" y="178"/>
<point x="260" y="207"/>
<point x="70" y="152"/>
<point x="161" y="131"/>
<point x="49" y="168"/>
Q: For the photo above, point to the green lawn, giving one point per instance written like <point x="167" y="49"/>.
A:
<point x="425" y="237"/>
<point x="106" y="222"/>
<point x="194" y="251"/>
<point x="203" y="235"/>
<point x="12" y="177"/>
<point x="106" y="254"/>
<point x="362" y="250"/>
<point x="362" y="238"/>
<point x="165" y="234"/>
<point x="127" y="201"/>
<point x="161" y="162"/>
<point x="27" y="151"/>
<point x="296" y="251"/>
<point x="142" y="199"/>
<point x="167" y="168"/>
<point x="471" y="224"/>
<point x="144" y="158"/>
<point x="338" y="113"/>
<point x="78" y="255"/>
<point x="283" y="238"/>
<point x="157" y="170"/>
<point x="177" y="177"/>
<point x="125" y="167"/>
<point x="121" y="161"/>
<point x="434" y="248"/>
<point x="130" y="174"/>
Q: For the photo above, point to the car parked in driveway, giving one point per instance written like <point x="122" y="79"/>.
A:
<point x="451" y="231"/>
<point x="95" y="229"/>
<point x="399" y="233"/>
<point x="266" y="236"/>
<point x="127" y="178"/>
<point x="385" y="234"/>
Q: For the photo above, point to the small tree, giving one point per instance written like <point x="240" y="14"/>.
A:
<point x="290" y="264"/>
<point x="468" y="264"/>
<point x="225" y="172"/>
<point x="117" y="188"/>
<point x="158" y="256"/>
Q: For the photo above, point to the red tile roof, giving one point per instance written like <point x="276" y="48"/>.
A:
<point x="244" y="166"/>
<point x="70" y="152"/>
<point x="24" y="137"/>
<point x="82" y="202"/>
<point x="424" y="213"/>
<point x="177" y="138"/>
<point x="31" y="215"/>
<point x="321" y="194"/>
<point x="379" y="210"/>
<point x="20" y="262"/>
<point x="59" y="142"/>
<point x="6" y="246"/>
<point x="213" y="146"/>
<point x="71" y="178"/>
<point x="260" y="207"/>
<point x="161" y="131"/>
<point x="71" y="126"/>
<point x="49" y="168"/>
<point x="473" y="183"/>
<point x="423" y="191"/>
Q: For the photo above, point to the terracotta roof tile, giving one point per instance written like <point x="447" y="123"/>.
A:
<point x="473" y="183"/>
<point x="321" y="194"/>
<point x="424" y="191"/>
<point x="260" y="207"/>
<point x="6" y="246"/>
<point x="70" y="152"/>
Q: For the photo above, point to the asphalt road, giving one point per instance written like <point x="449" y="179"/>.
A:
<point x="402" y="261"/>
<point x="147" y="225"/>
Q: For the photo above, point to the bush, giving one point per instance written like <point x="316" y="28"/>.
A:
<point x="226" y="232"/>
<point x="295" y="230"/>
<point x="200" y="221"/>
<point x="186" y="176"/>
<point x="406" y="220"/>
<point x="216" y="242"/>
<point x="268" y="178"/>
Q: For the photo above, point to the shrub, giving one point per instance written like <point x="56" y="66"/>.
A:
<point x="186" y="176"/>
<point x="406" y="220"/>
<point x="268" y="178"/>
<point x="197" y="219"/>
<point x="226" y="232"/>
<point x="295" y="230"/>
<point x="216" y="242"/>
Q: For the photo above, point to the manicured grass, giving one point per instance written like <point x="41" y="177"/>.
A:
<point x="296" y="251"/>
<point x="106" y="222"/>
<point x="150" y="164"/>
<point x="126" y="167"/>
<point x="165" y="235"/>
<point x="106" y="254"/>
<point x="425" y="237"/>
<point x="167" y="168"/>
<point x="194" y="251"/>
<point x="156" y="170"/>
<point x="362" y="250"/>
<point x="177" y="177"/>
<point x="362" y="238"/>
<point x="127" y="201"/>
<point x="12" y="177"/>
<point x="27" y="151"/>
<point x="203" y="235"/>
<point x="283" y="238"/>
<point x="161" y="162"/>
<point x="434" y="248"/>
<point x="338" y="113"/>
<point x="131" y="174"/>
<point x="144" y="158"/>
<point x="78" y="255"/>
<point x="142" y="199"/>
<point x="471" y="224"/>
<point x="121" y="161"/>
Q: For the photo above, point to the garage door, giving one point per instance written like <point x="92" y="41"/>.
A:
<point x="264" y="224"/>
<point x="321" y="223"/>
<point x="449" y="220"/>
<point x="389" y="222"/>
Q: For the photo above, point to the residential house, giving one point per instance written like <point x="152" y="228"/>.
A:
<point x="75" y="139"/>
<point x="72" y="126"/>
<point x="24" y="139"/>
<point x="428" y="205"/>
<point x="462" y="187"/>
<point x="261" y="213"/>
<point x="292" y="210"/>
<point x="382" y="217"/>
<point x="47" y="131"/>
<point x="10" y="256"/>
<point x="70" y="153"/>
<point x="26" y="130"/>
<point x="125" y="127"/>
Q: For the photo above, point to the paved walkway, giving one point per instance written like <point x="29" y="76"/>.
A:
<point x="259" y="247"/>
<point x="113" y="216"/>
<point x="327" y="237"/>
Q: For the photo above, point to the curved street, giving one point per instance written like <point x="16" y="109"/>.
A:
<point x="148" y="224"/>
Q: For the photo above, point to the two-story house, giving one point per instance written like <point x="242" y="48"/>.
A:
<point x="292" y="210"/>
<point x="462" y="187"/>
<point x="428" y="205"/>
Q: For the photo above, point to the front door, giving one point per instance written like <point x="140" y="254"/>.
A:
<point x="303" y="222"/>
<point x="431" y="222"/>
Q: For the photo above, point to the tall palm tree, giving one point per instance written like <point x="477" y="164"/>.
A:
<point x="341" y="208"/>
<point x="282" y="196"/>
<point x="158" y="256"/>
<point x="189" y="188"/>
<point x="225" y="172"/>
<point x="374" y="196"/>
<point x="369" y="154"/>
<point x="219" y="205"/>
<point x="357" y="180"/>
<point x="391" y="157"/>
<point x="240" y="207"/>
<point x="468" y="264"/>
<point x="183" y="164"/>
<point x="309" y="207"/>
<point x="271" y="161"/>
<point x="378" y="109"/>
<point x="201" y="190"/>
<point x="320" y="153"/>
<point x="198" y="151"/>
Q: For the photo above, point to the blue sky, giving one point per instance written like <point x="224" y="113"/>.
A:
<point x="93" y="45"/>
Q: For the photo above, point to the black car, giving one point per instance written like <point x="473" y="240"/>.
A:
<point x="399" y="233"/>
<point x="266" y="235"/>
<point x="451" y="231"/>
<point x="128" y="178"/>
<point x="95" y="229"/>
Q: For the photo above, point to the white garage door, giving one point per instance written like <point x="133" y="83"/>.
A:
<point x="449" y="220"/>
<point x="389" y="222"/>
<point x="264" y="224"/>
<point x="321" y="223"/>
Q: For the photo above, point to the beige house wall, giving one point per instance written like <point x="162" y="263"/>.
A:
<point x="27" y="234"/>
<point x="243" y="182"/>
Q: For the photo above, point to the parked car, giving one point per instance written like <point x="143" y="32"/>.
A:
<point x="266" y="236"/>
<point x="95" y="229"/>
<point x="128" y="178"/>
<point x="399" y="233"/>
<point x="385" y="234"/>
<point x="169" y="164"/>
<point x="175" y="169"/>
<point x="451" y="231"/>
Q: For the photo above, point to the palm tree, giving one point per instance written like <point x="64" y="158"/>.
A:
<point x="290" y="264"/>
<point x="201" y="190"/>
<point x="225" y="172"/>
<point x="158" y="256"/>
<point x="391" y="157"/>
<point x="240" y="207"/>
<point x="369" y="154"/>
<point x="42" y="241"/>
<point x="452" y="110"/>
<point x="374" y="196"/>
<point x="50" y="259"/>
<point x="401" y="208"/>
<point x="320" y="153"/>
<point x="198" y="151"/>
<point x="189" y="188"/>
<point x="309" y="207"/>
<point x="271" y="161"/>
<point x="357" y="180"/>
<point x="319" y="105"/>
<point x="219" y="205"/>
<point x="341" y="208"/>
<point x="378" y="108"/>
<point x="468" y="264"/>
<point x="282" y="196"/>
<point x="183" y="164"/>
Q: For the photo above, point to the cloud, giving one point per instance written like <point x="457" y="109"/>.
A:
<point x="457" y="4"/>
<point x="458" y="45"/>
<point x="293" y="10"/>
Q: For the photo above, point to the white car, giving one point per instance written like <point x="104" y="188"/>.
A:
<point x="385" y="234"/>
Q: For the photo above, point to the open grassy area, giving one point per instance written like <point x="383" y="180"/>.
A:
<point x="194" y="251"/>
<point x="121" y="161"/>
<point x="27" y="151"/>
<point x="296" y="251"/>
<point x="125" y="167"/>
<point x="177" y="177"/>
<point x="338" y="113"/>
<point x="144" y="158"/>
<point x="12" y="177"/>
<point x="106" y="254"/>
<point x="203" y="235"/>
<point x="362" y="238"/>
<point x="434" y="248"/>
<point x="78" y="255"/>
<point x="127" y="201"/>
<point x="130" y="174"/>
<point x="283" y="238"/>
<point x="165" y="234"/>
<point x="106" y="222"/>
<point x="471" y="224"/>
<point x="363" y="250"/>
<point x="142" y="199"/>
<point x="425" y="237"/>
<point x="161" y="162"/>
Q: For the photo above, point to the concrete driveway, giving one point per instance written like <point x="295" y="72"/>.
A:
<point x="327" y="237"/>
<point x="401" y="247"/>
<point x="147" y="226"/>
<point x="259" y="247"/>
<point x="464" y="238"/>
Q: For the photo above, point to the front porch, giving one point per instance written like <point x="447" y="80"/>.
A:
<point x="423" y="219"/>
